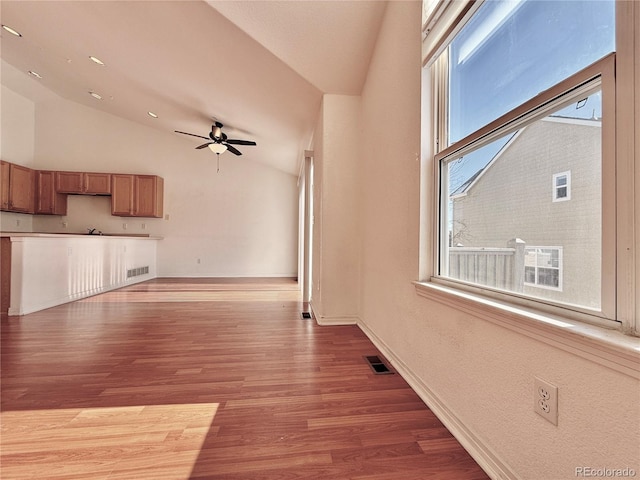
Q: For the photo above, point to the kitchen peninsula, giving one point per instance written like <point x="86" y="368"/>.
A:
<point x="42" y="270"/>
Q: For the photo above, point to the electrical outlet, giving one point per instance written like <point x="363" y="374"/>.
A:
<point x="198" y="260"/>
<point x="144" y="226"/>
<point x="124" y="226"/>
<point x="545" y="397"/>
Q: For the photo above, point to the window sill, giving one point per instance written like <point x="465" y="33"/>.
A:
<point x="604" y="346"/>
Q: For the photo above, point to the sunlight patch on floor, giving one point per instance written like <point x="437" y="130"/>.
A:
<point x="149" y="441"/>
<point x="205" y="296"/>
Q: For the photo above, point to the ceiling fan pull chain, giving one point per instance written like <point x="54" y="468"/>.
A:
<point x="218" y="155"/>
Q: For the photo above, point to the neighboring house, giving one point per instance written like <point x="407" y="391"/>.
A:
<point x="553" y="168"/>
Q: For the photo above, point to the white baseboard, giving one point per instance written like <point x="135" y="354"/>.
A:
<point x="337" y="320"/>
<point x="483" y="455"/>
<point x="343" y="320"/>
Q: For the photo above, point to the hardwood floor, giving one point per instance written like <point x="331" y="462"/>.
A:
<point x="203" y="379"/>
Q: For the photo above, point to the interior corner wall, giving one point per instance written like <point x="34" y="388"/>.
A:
<point x="336" y="238"/>
<point x="317" y="224"/>
<point x="240" y="222"/>
<point x="481" y="373"/>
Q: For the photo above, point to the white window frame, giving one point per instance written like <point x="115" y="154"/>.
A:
<point x="620" y="98"/>
<point x="599" y="76"/>
<point x="556" y="187"/>
<point x="559" y="268"/>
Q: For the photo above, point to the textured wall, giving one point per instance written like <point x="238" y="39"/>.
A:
<point x="336" y="210"/>
<point x="482" y="372"/>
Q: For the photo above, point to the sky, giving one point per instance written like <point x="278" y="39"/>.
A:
<point x="512" y="50"/>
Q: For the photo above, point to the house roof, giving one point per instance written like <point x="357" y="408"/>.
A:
<point x="475" y="178"/>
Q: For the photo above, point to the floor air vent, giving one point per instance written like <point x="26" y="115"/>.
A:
<point x="134" y="272"/>
<point x="377" y="365"/>
<point x="306" y="315"/>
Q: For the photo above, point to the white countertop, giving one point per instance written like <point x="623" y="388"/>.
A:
<point x="142" y="236"/>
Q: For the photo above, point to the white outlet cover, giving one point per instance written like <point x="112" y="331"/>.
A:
<point x="545" y="400"/>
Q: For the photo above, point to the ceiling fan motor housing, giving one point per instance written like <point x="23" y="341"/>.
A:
<point x="216" y="133"/>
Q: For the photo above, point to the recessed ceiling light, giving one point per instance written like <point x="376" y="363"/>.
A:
<point x="11" y="30"/>
<point x="96" y="60"/>
<point x="95" y="95"/>
<point x="151" y="114"/>
<point x="35" y="74"/>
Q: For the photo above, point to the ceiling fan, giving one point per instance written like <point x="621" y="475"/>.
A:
<point x="219" y="141"/>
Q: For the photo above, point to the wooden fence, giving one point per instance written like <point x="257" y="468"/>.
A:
<point x="501" y="268"/>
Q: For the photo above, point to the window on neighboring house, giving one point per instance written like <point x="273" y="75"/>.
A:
<point x="525" y="90"/>
<point x="543" y="267"/>
<point x="561" y="186"/>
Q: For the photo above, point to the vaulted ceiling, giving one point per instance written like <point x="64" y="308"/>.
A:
<point x="259" y="67"/>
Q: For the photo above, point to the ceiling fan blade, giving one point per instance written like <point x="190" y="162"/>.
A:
<point x="241" y="142"/>
<point x="232" y="149"/>
<point x="192" y="134"/>
<point x="204" y="145"/>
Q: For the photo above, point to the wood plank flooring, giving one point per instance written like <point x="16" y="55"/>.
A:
<point x="208" y="379"/>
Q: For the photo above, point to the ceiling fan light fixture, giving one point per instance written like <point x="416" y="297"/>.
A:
<point x="217" y="148"/>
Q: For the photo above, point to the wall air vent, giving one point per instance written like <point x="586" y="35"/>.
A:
<point x="306" y="315"/>
<point x="135" y="272"/>
<point x="377" y="365"/>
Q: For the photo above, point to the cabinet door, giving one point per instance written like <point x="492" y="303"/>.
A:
<point x="97" y="183"/>
<point x="4" y="185"/>
<point x="148" y="196"/>
<point x="122" y="195"/>
<point x="21" y="189"/>
<point x="48" y="201"/>
<point x="69" y="182"/>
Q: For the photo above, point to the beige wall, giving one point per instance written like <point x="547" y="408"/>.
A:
<point x="480" y="372"/>
<point x="336" y="233"/>
<point x="239" y="222"/>
<point x="17" y="132"/>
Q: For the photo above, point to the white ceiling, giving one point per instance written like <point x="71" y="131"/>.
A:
<point x="260" y="67"/>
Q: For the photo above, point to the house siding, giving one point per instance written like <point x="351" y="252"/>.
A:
<point x="514" y="199"/>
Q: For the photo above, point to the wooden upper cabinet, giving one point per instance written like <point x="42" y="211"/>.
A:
<point x="4" y="184"/>
<point x="122" y="195"/>
<point x="45" y="191"/>
<point x="48" y="201"/>
<point x="137" y="195"/>
<point x="149" y="194"/>
<point x="98" y="183"/>
<point x="69" y="182"/>
<point x="84" y="183"/>
<point x="17" y="185"/>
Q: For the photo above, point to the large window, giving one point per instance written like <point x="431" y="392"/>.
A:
<point x="524" y="122"/>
